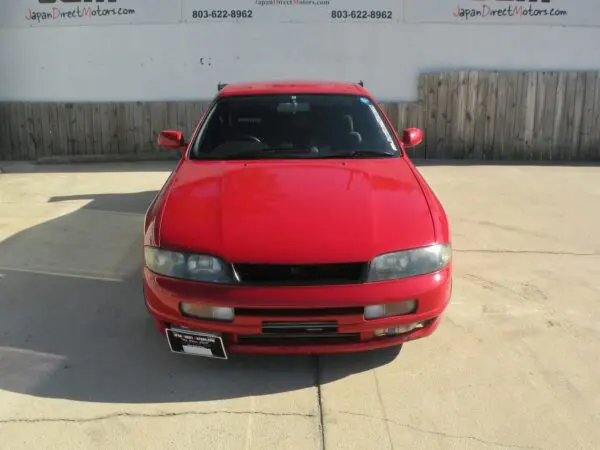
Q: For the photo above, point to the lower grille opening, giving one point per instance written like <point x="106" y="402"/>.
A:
<point x="300" y="339"/>
<point x="297" y="328"/>
<point x="302" y="274"/>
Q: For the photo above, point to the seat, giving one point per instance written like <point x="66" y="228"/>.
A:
<point x="352" y="137"/>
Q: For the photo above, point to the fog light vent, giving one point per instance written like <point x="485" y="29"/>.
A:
<point x="401" y="329"/>
<point x="207" y="312"/>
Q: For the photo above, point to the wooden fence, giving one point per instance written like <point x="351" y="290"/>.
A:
<point x="465" y="115"/>
<point x="508" y="115"/>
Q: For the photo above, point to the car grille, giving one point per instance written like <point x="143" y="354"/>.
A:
<point x="302" y="274"/>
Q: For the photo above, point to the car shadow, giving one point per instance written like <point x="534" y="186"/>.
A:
<point x="158" y="165"/>
<point x="74" y="324"/>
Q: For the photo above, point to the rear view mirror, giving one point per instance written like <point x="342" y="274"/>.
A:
<point x="293" y="107"/>
<point x="171" y="139"/>
<point x="412" y="137"/>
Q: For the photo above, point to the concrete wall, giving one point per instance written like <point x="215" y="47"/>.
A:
<point x="185" y="61"/>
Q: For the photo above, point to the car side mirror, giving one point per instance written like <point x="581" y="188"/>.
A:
<point x="412" y="137"/>
<point x="172" y="140"/>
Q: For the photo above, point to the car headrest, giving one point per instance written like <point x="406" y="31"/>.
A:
<point x="354" y="138"/>
<point x="347" y="123"/>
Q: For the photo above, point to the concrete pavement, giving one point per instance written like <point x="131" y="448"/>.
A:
<point x="512" y="365"/>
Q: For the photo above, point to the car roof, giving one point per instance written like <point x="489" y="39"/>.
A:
<point x="292" y="87"/>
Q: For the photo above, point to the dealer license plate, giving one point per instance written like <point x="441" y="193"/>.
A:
<point x="195" y="343"/>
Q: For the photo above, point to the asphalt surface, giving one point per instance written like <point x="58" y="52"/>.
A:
<point x="514" y="365"/>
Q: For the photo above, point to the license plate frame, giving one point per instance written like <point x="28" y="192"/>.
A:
<point x="196" y="343"/>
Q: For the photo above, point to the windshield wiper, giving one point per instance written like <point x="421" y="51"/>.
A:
<point x="262" y="154"/>
<point x="359" y="154"/>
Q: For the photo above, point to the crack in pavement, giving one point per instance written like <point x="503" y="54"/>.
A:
<point x="528" y="252"/>
<point x="439" y="433"/>
<point x="241" y="413"/>
<point x="148" y="415"/>
<point x="380" y="397"/>
<point x="320" y="401"/>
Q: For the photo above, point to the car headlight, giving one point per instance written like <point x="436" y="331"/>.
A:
<point x="410" y="263"/>
<point x="188" y="266"/>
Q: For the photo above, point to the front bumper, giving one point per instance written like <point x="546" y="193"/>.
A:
<point x="339" y="306"/>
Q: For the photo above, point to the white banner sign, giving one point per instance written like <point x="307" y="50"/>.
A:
<point x="506" y="12"/>
<point x="249" y="11"/>
<point x="23" y="13"/>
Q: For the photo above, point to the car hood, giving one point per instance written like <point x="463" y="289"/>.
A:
<point x="295" y="211"/>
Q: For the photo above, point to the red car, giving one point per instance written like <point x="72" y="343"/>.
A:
<point x="295" y="222"/>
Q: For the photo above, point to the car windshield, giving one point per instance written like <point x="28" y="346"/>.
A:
<point x="294" y="127"/>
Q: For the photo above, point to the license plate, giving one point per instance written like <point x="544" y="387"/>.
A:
<point x="196" y="343"/>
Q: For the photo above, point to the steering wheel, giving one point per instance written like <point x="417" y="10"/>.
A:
<point x="248" y="137"/>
